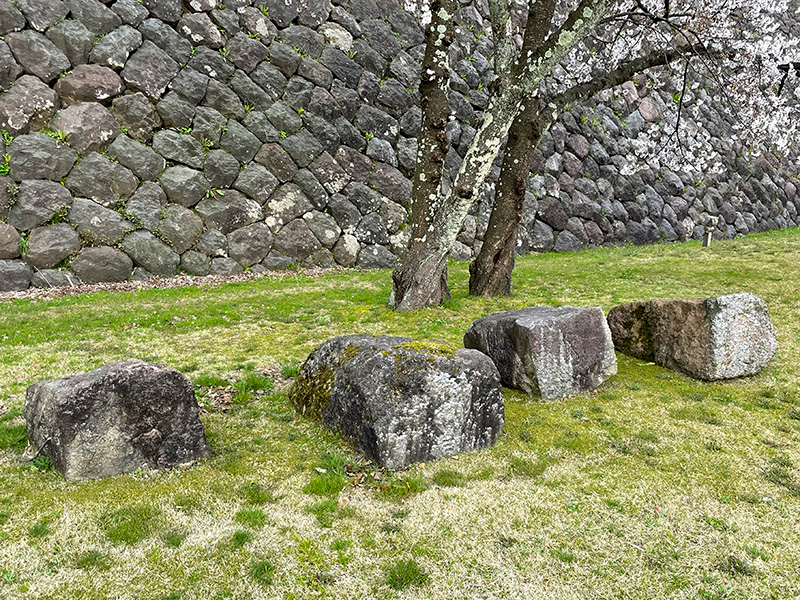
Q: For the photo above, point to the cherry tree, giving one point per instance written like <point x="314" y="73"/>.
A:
<point x="550" y="55"/>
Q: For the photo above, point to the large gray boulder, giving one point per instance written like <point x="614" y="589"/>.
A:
<point x="122" y="417"/>
<point x="401" y="401"/>
<point x="707" y="338"/>
<point x="547" y="351"/>
<point x="39" y="156"/>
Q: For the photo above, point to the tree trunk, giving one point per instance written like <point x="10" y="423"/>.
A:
<point x="428" y="284"/>
<point x="490" y="272"/>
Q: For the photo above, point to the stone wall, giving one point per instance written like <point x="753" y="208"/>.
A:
<point x="147" y="137"/>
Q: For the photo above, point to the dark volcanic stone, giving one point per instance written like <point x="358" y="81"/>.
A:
<point x="376" y="257"/>
<point x="73" y="39"/>
<point x="225" y="267"/>
<point x="551" y="352"/>
<point x="53" y="278"/>
<point x="9" y="242"/>
<point x="250" y="245"/>
<point x="48" y="246"/>
<point x="137" y="115"/>
<point x="150" y="70"/>
<point x="224" y="100"/>
<point x="11" y="19"/>
<point x="175" y="111"/>
<point x="116" y="47"/>
<point x="15" y="276"/>
<point x="296" y="240"/>
<point x="211" y="63"/>
<point x="9" y="69"/>
<point x="37" y="54"/>
<point x="245" y="52"/>
<point x="89" y="83"/>
<point x="191" y="85"/>
<point x="38" y="202"/>
<point x="141" y="159"/>
<point x="256" y="182"/>
<point x="150" y="253"/>
<point x="401" y="401"/>
<point x="95" y="15"/>
<point x="239" y="142"/>
<point x="42" y="14"/>
<point x="165" y="37"/>
<point x="146" y="204"/>
<point x="102" y="264"/>
<point x="117" y="419"/>
<point x="706" y="338"/>
<point x="103" y="181"/>
<point x="276" y="159"/>
<point x="180" y="227"/>
<point x="303" y="147"/>
<point x="220" y="168"/>
<point x="96" y="223"/>
<point x="166" y="10"/>
<point x="39" y="156"/>
<point x="177" y="147"/>
<point x="184" y="186"/>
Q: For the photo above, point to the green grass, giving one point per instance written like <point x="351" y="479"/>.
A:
<point x="129" y="524"/>
<point x="404" y="574"/>
<point x="655" y="486"/>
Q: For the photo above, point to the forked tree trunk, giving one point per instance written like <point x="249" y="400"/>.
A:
<point x="490" y="272"/>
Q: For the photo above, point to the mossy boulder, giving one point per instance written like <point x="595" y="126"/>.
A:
<point x="401" y="401"/>
<point x="707" y="338"/>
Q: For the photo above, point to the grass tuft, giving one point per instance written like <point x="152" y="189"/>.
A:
<point x="449" y="478"/>
<point x="262" y="571"/>
<point x="251" y="517"/>
<point x="405" y="574"/>
<point x="129" y="524"/>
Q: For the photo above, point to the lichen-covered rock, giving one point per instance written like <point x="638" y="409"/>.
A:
<point x="102" y="180"/>
<point x="28" y="105"/>
<point x="89" y="126"/>
<point x="178" y="147"/>
<point x="122" y="417"/>
<point x="11" y="19"/>
<point x="229" y="212"/>
<point x="551" y="352"/>
<point x="89" y="83"/>
<point x="39" y="156"/>
<point x="401" y="401"/>
<point x="15" y="276"/>
<point x="102" y="264"/>
<point x="707" y="338"/>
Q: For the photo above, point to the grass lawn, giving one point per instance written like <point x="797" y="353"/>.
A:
<point x="656" y="486"/>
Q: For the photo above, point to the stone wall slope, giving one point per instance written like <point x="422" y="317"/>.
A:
<point x="144" y="138"/>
